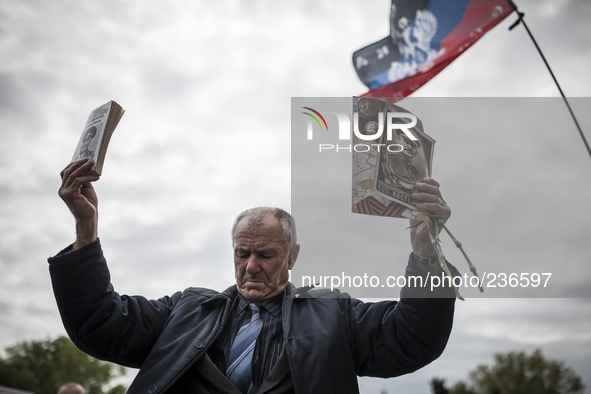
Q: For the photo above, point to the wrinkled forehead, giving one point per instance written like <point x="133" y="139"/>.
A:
<point x="260" y="229"/>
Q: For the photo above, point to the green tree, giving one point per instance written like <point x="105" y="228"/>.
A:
<point x="519" y="373"/>
<point x="438" y="386"/>
<point x="43" y="366"/>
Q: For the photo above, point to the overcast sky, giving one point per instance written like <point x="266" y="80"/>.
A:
<point x="207" y="87"/>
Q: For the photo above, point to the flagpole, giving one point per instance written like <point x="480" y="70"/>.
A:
<point x="520" y="19"/>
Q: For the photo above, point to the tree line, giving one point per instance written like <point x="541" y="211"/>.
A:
<point x="516" y="373"/>
<point x="43" y="366"/>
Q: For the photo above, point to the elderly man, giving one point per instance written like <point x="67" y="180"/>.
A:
<point x="71" y="388"/>
<point x="261" y="335"/>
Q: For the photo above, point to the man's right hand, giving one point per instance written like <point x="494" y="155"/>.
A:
<point x="80" y="197"/>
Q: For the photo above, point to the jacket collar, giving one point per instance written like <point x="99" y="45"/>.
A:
<point x="227" y="295"/>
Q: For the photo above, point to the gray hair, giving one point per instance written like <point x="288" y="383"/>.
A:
<point x="256" y="216"/>
<point x="71" y="388"/>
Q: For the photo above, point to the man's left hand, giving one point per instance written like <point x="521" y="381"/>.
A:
<point x="429" y="200"/>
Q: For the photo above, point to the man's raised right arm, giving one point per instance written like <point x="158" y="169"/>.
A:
<point x="100" y="321"/>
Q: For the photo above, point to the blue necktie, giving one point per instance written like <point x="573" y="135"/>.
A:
<point x="240" y="359"/>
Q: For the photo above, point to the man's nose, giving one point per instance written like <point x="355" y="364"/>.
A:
<point x="253" y="265"/>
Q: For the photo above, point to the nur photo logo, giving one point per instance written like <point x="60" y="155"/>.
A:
<point x="388" y="122"/>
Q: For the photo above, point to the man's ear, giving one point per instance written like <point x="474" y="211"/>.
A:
<point x="295" y="251"/>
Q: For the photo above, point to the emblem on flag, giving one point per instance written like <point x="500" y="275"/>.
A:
<point x="425" y="36"/>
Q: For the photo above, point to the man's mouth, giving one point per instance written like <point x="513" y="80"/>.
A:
<point x="252" y="280"/>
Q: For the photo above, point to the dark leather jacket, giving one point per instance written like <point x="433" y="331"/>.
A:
<point x="329" y="339"/>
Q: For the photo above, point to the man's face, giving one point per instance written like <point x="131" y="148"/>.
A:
<point x="409" y="148"/>
<point x="261" y="261"/>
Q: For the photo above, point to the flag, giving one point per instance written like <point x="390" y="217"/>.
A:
<point x="425" y="36"/>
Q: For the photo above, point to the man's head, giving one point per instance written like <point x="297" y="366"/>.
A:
<point x="265" y="249"/>
<point x="71" y="388"/>
<point x="409" y="147"/>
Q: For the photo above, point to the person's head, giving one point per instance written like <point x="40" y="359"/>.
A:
<point x="90" y="133"/>
<point x="409" y="147"/>
<point x="71" y="388"/>
<point x="265" y="249"/>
